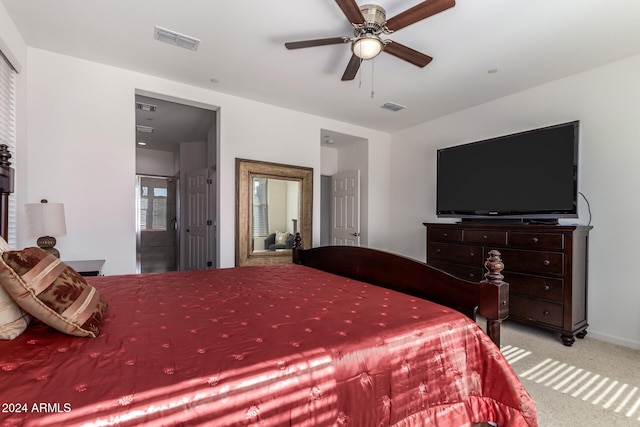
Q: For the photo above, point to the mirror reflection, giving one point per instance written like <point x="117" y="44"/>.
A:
<point x="273" y="203"/>
<point x="275" y="213"/>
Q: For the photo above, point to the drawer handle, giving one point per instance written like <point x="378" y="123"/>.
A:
<point x="546" y="287"/>
<point x="445" y="234"/>
<point x="485" y="237"/>
<point x="546" y="262"/>
<point x="472" y="254"/>
<point x="546" y="312"/>
<point x="534" y="240"/>
<point x="471" y="275"/>
<point x="438" y="250"/>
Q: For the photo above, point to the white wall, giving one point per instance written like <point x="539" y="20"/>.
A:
<point x="329" y="160"/>
<point x="80" y="139"/>
<point x="606" y="100"/>
<point x="155" y="162"/>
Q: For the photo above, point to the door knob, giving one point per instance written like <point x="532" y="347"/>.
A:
<point x="355" y="234"/>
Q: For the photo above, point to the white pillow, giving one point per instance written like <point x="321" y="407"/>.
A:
<point x="13" y="321"/>
<point x="281" y="237"/>
<point x="4" y="246"/>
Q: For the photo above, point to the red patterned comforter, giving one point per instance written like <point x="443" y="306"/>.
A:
<point x="281" y="345"/>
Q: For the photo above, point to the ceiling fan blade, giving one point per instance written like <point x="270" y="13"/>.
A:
<point x="406" y="53"/>
<point x="418" y="12"/>
<point x="352" y="68"/>
<point x="316" y="42"/>
<point x="351" y="10"/>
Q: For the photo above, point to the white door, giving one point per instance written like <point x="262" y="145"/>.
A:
<point x="197" y="220"/>
<point x="345" y="212"/>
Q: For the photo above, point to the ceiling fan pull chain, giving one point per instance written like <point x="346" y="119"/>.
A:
<point x="372" y="62"/>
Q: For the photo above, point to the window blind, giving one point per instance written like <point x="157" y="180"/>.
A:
<point x="260" y="212"/>
<point x="8" y="133"/>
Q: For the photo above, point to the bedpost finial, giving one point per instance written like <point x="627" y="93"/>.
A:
<point x="495" y="266"/>
<point x="297" y="246"/>
<point x="5" y="156"/>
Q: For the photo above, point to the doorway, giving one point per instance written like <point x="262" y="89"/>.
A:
<point x="344" y="154"/>
<point x="175" y="137"/>
<point x="157" y="224"/>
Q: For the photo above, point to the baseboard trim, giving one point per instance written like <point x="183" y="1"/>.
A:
<point x="613" y="339"/>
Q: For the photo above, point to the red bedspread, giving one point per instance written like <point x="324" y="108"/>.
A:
<point x="266" y="346"/>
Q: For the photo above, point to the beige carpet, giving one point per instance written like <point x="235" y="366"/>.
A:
<point x="592" y="383"/>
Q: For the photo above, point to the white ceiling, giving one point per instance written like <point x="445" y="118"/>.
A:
<point x="529" y="42"/>
<point x="172" y="123"/>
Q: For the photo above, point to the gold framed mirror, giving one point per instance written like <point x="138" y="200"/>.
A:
<point x="273" y="202"/>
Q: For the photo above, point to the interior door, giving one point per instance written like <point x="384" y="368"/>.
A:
<point x="345" y="214"/>
<point x="197" y="220"/>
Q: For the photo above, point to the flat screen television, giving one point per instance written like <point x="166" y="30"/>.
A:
<point x="525" y="176"/>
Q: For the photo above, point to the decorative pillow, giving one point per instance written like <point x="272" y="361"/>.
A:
<point x="13" y="321"/>
<point x="51" y="291"/>
<point x="281" y="237"/>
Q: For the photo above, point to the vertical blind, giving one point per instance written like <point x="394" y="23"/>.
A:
<point x="8" y="132"/>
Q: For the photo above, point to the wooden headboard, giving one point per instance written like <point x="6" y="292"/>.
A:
<point x="6" y="188"/>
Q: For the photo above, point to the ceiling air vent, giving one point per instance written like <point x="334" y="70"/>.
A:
<point x="146" y="107"/>
<point x="175" y="39"/>
<point x="392" y="106"/>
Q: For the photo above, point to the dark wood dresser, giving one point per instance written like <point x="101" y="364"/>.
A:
<point x="545" y="266"/>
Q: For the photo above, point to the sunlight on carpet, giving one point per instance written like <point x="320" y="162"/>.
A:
<point x="609" y="393"/>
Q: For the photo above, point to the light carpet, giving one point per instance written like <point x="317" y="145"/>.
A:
<point x="592" y="383"/>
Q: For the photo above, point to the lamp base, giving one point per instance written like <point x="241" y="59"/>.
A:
<point x="47" y="243"/>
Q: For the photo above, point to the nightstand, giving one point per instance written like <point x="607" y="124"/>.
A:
<point x="90" y="267"/>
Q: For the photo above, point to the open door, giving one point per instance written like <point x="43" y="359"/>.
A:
<point x="345" y="214"/>
<point x="198" y="221"/>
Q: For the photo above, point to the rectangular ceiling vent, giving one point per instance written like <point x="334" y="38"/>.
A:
<point x="144" y="129"/>
<point x="392" y="106"/>
<point x="175" y="39"/>
<point x="146" y="107"/>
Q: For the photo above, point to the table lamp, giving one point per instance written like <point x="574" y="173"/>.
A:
<point x="46" y="220"/>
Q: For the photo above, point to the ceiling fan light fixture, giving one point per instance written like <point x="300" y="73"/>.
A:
<point x="367" y="46"/>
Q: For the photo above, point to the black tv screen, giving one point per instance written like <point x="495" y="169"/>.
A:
<point x="527" y="175"/>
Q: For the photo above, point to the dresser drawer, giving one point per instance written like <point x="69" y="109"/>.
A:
<point x="473" y="274"/>
<point x="536" y="240"/>
<point x="445" y="235"/>
<point x="532" y="261"/>
<point x="531" y="310"/>
<point x="490" y="237"/>
<point x="456" y="253"/>
<point x="535" y="286"/>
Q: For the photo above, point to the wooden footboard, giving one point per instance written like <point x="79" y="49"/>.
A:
<point x="489" y="298"/>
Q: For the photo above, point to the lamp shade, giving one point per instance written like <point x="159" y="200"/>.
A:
<point x="46" y="219"/>
<point x="367" y="46"/>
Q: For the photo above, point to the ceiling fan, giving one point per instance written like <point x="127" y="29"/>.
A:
<point x="369" y="22"/>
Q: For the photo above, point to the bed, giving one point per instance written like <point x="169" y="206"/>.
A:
<point x="339" y="337"/>
<point x="272" y="345"/>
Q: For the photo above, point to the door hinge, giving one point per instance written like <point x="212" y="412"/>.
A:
<point x="209" y="222"/>
<point x="209" y="264"/>
<point x="209" y="181"/>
